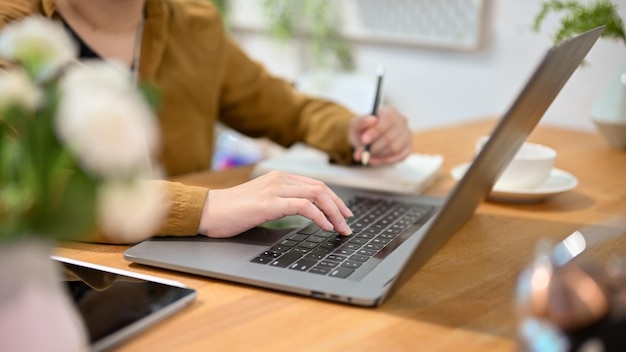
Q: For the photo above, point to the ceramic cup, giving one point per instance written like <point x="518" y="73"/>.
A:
<point x="530" y="167"/>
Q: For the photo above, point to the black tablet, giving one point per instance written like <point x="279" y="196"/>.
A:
<point x="116" y="304"/>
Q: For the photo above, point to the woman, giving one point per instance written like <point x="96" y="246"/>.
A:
<point x="204" y="77"/>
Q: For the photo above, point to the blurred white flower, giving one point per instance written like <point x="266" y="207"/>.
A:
<point x="97" y="75"/>
<point x="90" y="119"/>
<point x="41" y="45"/>
<point x="16" y="89"/>
<point x="129" y="211"/>
<point x="108" y="125"/>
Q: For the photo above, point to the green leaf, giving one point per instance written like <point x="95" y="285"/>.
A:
<point x="72" y="213"/>
<point x="287" y="19"/>
<point x="578" y="18"/>
<point x="152" y="94"/>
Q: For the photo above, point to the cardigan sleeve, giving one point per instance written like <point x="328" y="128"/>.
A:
<point x="185" y="205"/>
<point x="257" y="103"/>
<point x="15" y="9"/>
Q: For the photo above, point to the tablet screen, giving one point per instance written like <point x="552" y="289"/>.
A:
<point x="114" y="305"/>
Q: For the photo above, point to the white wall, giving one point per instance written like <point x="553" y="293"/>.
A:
<point x="435" y="87"/>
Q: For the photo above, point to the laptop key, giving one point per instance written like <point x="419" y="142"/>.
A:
<point x="343" y="251"/>
<point x="373" y="246"/>
<point x="351" y="246"/>
<point x="299" y="237"/>
<point x="288" y="243"/>
<point x="328" y="246"/>
<point x="300" y="250"/>
<point x="351" y="264"/>
<point x="358" y="241"/>
<point x="388" y="236"/>
<point x="307" y="244"/>
<point x="336" y="258"/>
<point x="382" y="241"/>
<point x="271" y="254"/>
<point x="303" y="264"/>
<point x="320" y="270"/>
<point x="316" y="255"/>
<point x="359" y="258"/>
<point x="341" y="272"/>
<point x="326" y="234"/>
<point x="367" y="252"/>
<point x="279" y="248"/>
<point x="395" y="229"/>
<point x="310" y="229"/>
<point x="286" y="259"/>
<point x="328" y="264"/>
<point x="322" y="250"/>
<point x="262" y="260"/>
<point x="316" y="239"/>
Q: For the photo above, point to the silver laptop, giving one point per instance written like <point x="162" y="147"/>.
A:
<point x="394" y="234"/>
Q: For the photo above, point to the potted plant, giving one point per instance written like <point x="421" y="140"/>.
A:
<point x="580" y="18"/>
<point x="609" y="111"/>
<point x="75" y="141"/>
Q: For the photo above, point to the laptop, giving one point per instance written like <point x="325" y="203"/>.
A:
<point x="293" y="255"/>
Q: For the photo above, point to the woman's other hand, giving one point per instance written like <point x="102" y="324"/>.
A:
<point x="388" y="135"/>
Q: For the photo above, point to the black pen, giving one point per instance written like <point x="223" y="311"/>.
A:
<point x="365" y="157"/>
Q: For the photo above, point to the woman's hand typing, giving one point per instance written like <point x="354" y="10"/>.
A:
<point x="228" y="212"/>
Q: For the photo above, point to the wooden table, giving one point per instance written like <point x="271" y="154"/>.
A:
<point x="461" y="300"/>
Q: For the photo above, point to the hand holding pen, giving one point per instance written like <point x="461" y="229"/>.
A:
<point x="382" y="137"/>
<point x="365" y="157"/>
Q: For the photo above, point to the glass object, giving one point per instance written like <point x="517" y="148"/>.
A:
<point x="572" y="296"/>
<point x="609" y="112"/>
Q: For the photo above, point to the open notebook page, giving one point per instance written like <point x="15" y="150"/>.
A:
<point x="412" y="175"/>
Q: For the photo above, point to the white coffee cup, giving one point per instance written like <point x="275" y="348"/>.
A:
<point x="530" y="167"/>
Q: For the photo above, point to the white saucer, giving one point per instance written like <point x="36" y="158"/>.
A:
<point x="558" y="182"/>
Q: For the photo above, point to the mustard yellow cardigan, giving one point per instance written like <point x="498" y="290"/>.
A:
<point x="204" y="76"/>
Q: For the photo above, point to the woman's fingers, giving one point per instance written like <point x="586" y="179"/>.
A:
<point x="229" y="212"/>
<point x="391" y="148"/>
<point x="316" y="201"/>
<point x="326" y="191"/>
<point x="389" y="137"/>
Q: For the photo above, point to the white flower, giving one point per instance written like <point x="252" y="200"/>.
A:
<point x="97" y="74"/>
<point x="131" y="211"/>
<point x="110" y="128"/>
<point x="17" y="90"/>
<point x="42" y="45"/>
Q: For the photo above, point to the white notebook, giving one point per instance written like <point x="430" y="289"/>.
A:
<point x="412" y="175"/>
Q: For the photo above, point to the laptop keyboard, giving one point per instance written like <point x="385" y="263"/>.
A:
<point x="377" y="225"/>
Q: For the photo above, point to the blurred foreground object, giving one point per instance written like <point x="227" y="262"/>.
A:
<point x="73" y="138"/>
<point x="77" y="141"/>
<point x="568" y="299"/>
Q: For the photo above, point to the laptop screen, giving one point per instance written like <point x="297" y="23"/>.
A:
<point x="553" y="72"/>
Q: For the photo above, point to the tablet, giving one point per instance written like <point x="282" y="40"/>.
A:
<point x="116" y="304"/>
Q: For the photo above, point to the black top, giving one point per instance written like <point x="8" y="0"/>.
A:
<point x="84" y="50"/>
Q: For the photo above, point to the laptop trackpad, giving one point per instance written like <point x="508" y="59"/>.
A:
<point x="268" y="233"/>
<point x="225" y="251"/>
<point x="272" y="231"/>
<point x="262" y="235"/>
